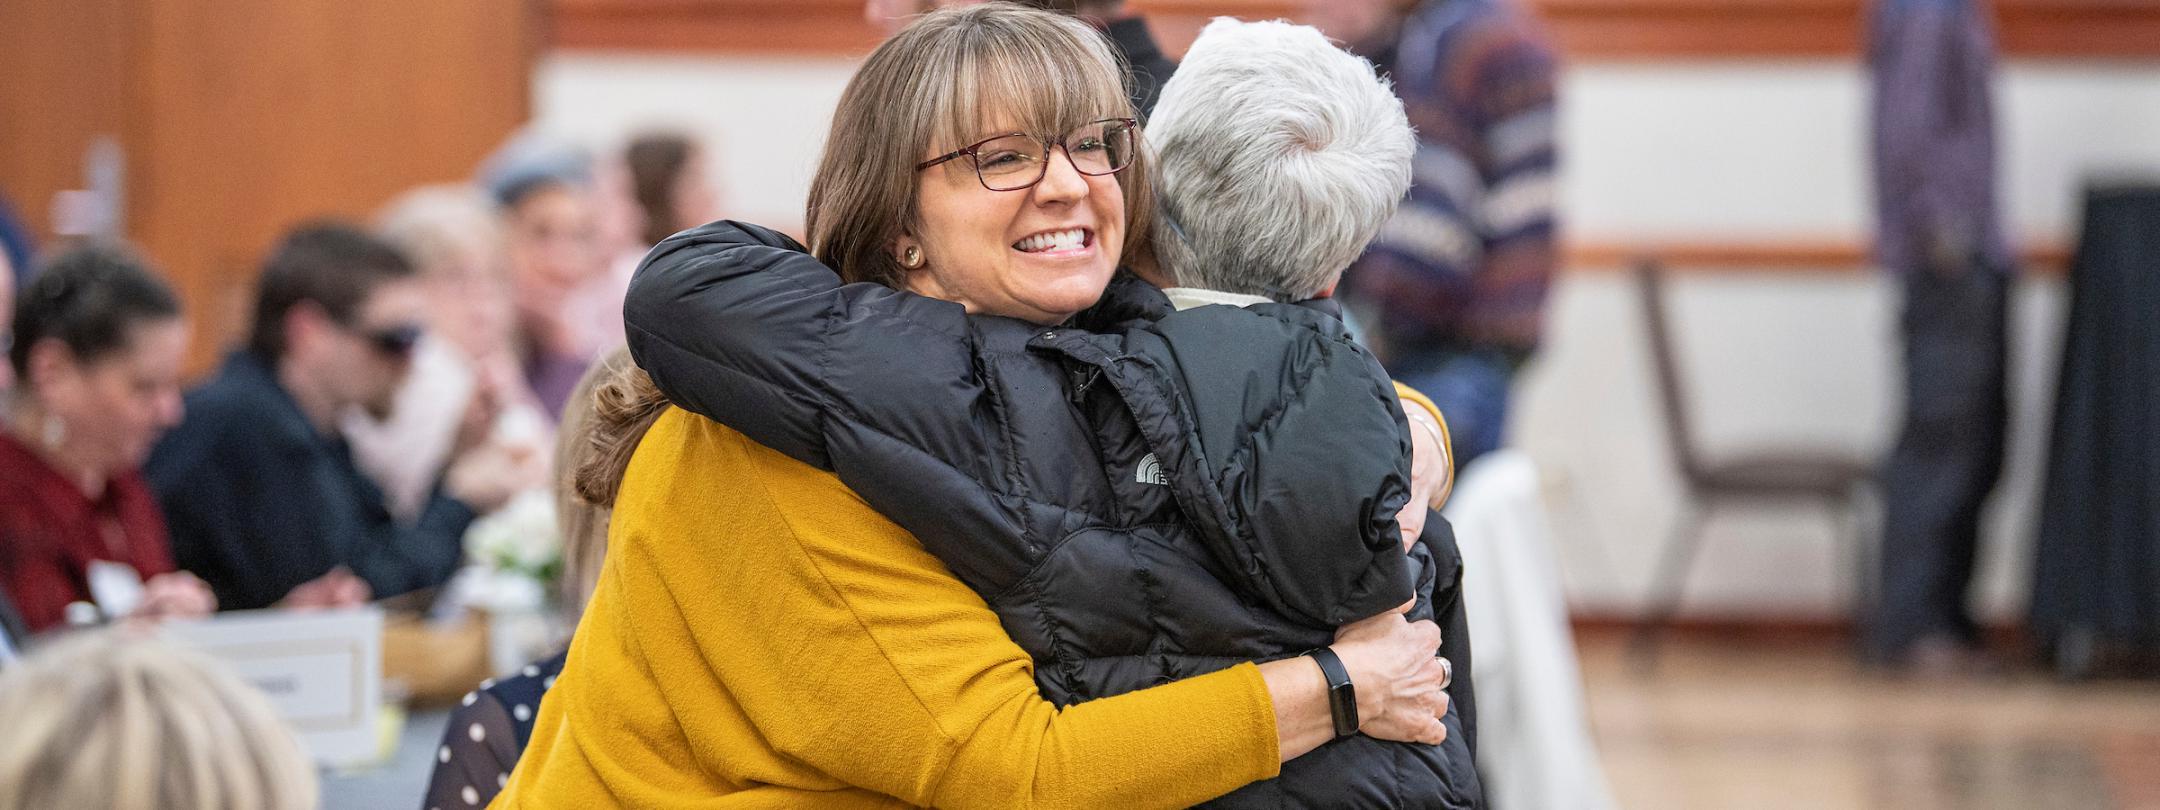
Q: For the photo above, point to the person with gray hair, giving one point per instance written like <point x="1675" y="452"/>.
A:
<point x="1280" y="156"/>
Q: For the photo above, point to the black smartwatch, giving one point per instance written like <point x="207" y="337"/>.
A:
<point x="1342" y="696"/>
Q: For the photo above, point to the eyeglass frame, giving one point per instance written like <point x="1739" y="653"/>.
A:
<point x="974" y="159"/>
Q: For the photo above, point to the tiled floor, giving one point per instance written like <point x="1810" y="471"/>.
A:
<point x="1757" y="725"/>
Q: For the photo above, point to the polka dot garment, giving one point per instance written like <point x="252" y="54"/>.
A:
<point x="486" y="734"/>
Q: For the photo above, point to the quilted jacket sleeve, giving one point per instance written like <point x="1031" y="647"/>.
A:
<point x="739" y="323"/>
<point x="1302" y="443"/>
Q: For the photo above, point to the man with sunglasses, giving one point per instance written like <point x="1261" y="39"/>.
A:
<point x="261" y="492"/>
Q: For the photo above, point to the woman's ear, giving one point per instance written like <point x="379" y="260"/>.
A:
<point x="50" y="363"/>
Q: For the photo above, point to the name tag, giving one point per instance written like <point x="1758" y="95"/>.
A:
<point x="322" y="670"/>
<point x="115" y="586"/>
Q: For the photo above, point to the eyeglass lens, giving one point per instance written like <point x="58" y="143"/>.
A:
<point x="1018" y="161"/>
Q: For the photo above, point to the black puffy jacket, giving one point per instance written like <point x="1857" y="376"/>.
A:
<point x="1168" y="495"/>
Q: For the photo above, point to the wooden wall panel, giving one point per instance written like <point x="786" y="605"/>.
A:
<point x="63" y="71"/>
<point x="1586" y="29"/>
<point x="821" y="27"/>
<point x="264" y="113"/>
<point x="1660" y="29"/>
<point x="1730" y="29"/>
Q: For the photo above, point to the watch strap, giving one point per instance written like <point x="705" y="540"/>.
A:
<point x="1342" y="695"/>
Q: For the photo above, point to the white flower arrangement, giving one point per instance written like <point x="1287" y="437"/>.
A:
<point x="520" y="549"/>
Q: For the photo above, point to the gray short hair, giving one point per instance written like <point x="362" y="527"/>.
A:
<point x="1280" y="156"/>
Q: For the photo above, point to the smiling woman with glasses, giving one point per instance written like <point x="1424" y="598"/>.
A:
<point x="911" y="563"/>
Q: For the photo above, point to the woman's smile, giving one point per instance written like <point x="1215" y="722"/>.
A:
<point x="1060" y="243"/>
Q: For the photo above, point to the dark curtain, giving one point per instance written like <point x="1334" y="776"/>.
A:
<point x="2096" y="578"/>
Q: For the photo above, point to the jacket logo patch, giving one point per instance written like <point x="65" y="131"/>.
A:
<point x="1150" y="472"/>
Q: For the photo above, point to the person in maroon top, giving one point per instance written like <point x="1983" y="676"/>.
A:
<point x="97" y="353"/>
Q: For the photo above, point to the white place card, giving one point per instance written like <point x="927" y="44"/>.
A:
<point x="321" y="669"/>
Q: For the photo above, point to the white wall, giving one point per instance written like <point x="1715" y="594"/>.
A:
<point x="1796" y="361"/>
<point x="763" y="119"/>
<point x="1692" y="152"/>
<point x="1778" y="150"/>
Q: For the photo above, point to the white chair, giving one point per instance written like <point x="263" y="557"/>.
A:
<point x="1534" y="746"/>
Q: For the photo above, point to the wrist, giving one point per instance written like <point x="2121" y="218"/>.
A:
<point x="1430" y="429"/>
<point x="1341" y="691"/>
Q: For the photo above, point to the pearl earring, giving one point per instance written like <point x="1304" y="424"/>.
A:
<point x="911" y="258"/>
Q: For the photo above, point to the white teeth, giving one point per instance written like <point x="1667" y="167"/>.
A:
<point x="1071" y="239"/>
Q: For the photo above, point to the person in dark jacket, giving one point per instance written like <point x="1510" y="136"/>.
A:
<point x="1931" y="64"/>
<point x="260" y="492"/>
<point x="1156" y="493"/>
<point x="764" y="635"/>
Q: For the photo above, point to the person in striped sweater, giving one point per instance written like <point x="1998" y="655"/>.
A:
<point x="1453" y="290"/>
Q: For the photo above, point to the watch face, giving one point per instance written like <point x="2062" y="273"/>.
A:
<point x="1343" y="701"/>
<point x="1342" y="694"/>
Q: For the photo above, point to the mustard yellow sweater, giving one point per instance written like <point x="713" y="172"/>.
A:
<point x="762" y="638"/>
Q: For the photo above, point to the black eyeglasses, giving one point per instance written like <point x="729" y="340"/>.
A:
<point x="1016" y="161"/>
<point x="396" y="341"/>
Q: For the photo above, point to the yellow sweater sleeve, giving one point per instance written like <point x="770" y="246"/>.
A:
<point x="1412" y="396"/>
<point x="761" y="637"/>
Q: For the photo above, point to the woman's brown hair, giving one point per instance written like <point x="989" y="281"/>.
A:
<point x="657" y="161"/>
<point x="941" y="84"/>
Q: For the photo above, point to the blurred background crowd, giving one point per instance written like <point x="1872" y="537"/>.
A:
<point x="1798" y="356"/>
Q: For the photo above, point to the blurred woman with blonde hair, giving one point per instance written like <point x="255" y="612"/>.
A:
<point x="487" y="733"/>
<point x="118" y="722"/>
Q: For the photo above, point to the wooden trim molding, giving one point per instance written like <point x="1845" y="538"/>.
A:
<point x="1585" y="29"/>
<point x="1768" y="256"/>
<point x="764" y="27"/>
<point x="1664" y="29"/>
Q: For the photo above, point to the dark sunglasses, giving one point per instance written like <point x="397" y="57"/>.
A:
<point x="397" y="341"/>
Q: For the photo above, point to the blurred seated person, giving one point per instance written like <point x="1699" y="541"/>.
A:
<point x="488" y="731"/>
<point x="671" y="180"/>
<point x="115" y="721"/>
<point x="260" y="490"/>
<point x="661" y="185"/>
<point x="465" y="399"/>
<point x="98" y="345"/>
<point x="557" y="236"/>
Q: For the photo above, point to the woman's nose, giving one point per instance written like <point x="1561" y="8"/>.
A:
<point x="1062" y="179"/>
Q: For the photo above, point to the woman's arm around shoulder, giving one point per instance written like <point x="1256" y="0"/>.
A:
<point x="739" y="323"/>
